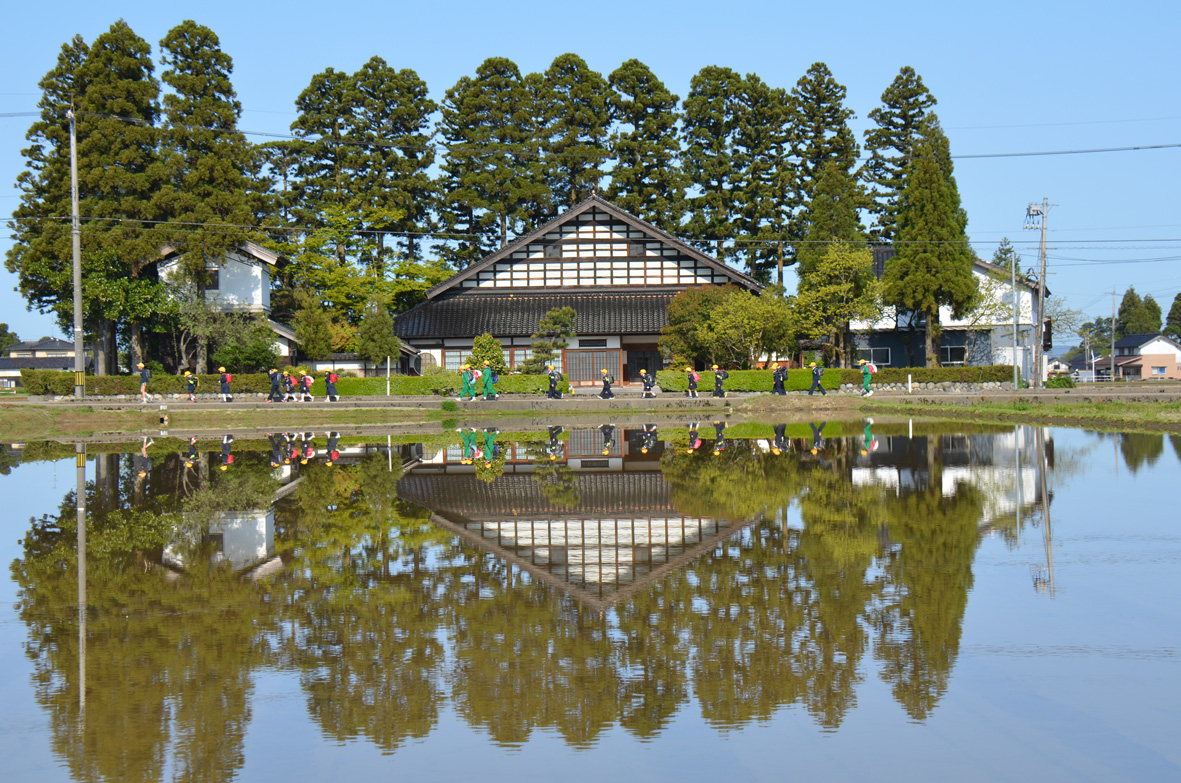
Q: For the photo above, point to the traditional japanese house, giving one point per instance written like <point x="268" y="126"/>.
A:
<point x="617" y="271"/>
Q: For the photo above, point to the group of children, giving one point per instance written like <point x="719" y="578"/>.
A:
<point x="484" y="377"/>
<point x="285" y="387"/>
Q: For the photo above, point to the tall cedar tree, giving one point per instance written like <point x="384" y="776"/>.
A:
<point x="933" y="267"/>
<point x="492" y="176"/>
<point x="820" y="133"/>
<point x="711" y="119"/>
<point x="1005" y="256"/>
<point x="762" y="142"/>
<point x="647" y="179"/>
<point x="389" y="122"/>
<point x="1153" y="312"/>
<point x="890" y="145"/>
<point x="1136" y="315"/>
<point x="322" y="144"/>
<point x="577" y="119"/>
<point x="1173" y="323"/>
<point x="41" y="248"/>
<point x="211" y="166"/>
<point x="118" y="110"/>
<point x="833" y="215"/>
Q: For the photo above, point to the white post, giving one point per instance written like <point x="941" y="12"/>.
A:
<point x="1016" y="318"/>
<point x="908" y="389"/>
<point x="387" y="376"/>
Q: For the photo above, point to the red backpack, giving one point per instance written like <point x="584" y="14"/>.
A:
<point x="229" y="378"/>
<point x="332" y="377"/>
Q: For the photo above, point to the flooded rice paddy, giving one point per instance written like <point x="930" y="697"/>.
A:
<point x="840" y="600"/>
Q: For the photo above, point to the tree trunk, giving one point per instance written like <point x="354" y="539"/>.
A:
<point x="202" y="357"/>
<point x="932" y="340"/>
<point x="503" y="230"/>
<point x="137" y="344"/>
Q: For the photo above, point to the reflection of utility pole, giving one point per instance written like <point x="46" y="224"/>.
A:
<point x="1043" y="582"/>
<point x="1017" y="474"/>
<point x="80" y="507"/>
<point x="1036" y="216"/>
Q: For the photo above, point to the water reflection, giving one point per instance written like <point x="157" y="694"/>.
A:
<point x="570" y="580"/>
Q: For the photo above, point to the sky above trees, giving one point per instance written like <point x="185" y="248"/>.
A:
<point x="1020" y="79"/>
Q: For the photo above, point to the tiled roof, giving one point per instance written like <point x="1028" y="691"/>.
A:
<point x="517" y="314"/>
<point x="51" y="344"/>
<point x="39" y="363"/>
<point x="1135" y="340"/>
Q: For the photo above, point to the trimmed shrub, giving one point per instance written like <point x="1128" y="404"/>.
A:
<point x="1061" y="382"/>
<point x="62" y="383"/>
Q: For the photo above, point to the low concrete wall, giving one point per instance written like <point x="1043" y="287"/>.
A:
<point x="951" y="388"/>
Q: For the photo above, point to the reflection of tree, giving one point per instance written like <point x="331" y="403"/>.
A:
<point x="1176" y="441"/>
<point x="1141" y="448"/>
<point x="558" y="482"/>
<point x="926" y="579"/>
<point x="737" y="485"/>
<point x="654" y="658"/>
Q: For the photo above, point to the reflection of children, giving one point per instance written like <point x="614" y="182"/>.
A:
<point x="191" y="456"/>
<point x="869" y="442"/>
<point x="818" y="437"/>
<point x="469" y="446"/>
<point x="491" y="449"/>
<point x="333" y="447"/>
<point x="648" y="440"/>
<point x="555" y="444"/>
<point x="719" y="437"/>
<point x="276" y="450"/>
<point x="649" y="382"/>
<point x="608" y="431"/>
<point x="779" y="445"/>
<point x="143" y="463"/>
<point x="694" y="440"/>
<point x="227" y="459"/>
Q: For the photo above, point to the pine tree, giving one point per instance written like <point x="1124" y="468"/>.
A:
<point x="491" y="173"/>
<point x="933" y="267"/>
<point x="554" y="332"/>
<point x="819" y="133"/>
<point x="322" y="145"/>
<point x="647" y="179"/>
<point x="577" y="119"/>
<point x="1173" y="323"/>
<point x="388" y="165"/>
<point x="904" y="105"/>
<point x="1129" y="313"/>
<point x="711" y="119"/>
<point x="1152" y="315"/>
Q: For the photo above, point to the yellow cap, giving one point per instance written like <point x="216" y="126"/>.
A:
<point x="604" y="369"/>
<point x="225" y="467"/>
<point x="715" y="367"/>
<point x="812" y="364"/>
<point x="187" y="373"/>
<point x="221" y="369"/>
<point x="813" y="451"/>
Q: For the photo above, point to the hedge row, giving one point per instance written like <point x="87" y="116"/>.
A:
<point x="445" y="384"/>
<point x="801" y="380"/>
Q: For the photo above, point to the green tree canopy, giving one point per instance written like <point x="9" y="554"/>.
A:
<point x="1173" y="323"/>
<point x="839" y="289"/>
<point x="375" y="335"/>
<point x="576" y="117"/>
<point x="486" y="348"/>
<point x="554" y="332"/>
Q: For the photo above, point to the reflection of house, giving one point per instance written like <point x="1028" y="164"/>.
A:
<point x="1143" y="357"/>
<point x="619" y="533"/>
<point x="617" y="272"/>
<point x="984" y="336"/>
<point x="238" y="283"/>
<point x="44" y="354"/>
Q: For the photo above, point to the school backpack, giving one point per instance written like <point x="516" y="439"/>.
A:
<point x="696" y="377"/>
<point x="873" y="368"/>
<point x="229" y="377"/>
<point x="609" y="378"/>
<point x="332" y="377"/>
<point x="495" y="376"/>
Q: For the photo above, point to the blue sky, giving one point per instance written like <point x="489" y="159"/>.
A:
<point x="1009" y="77"/>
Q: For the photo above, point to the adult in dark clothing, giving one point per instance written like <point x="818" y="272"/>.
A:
<point x="608" y="379"/>
<point x="145" y="375"/>
<point x="649" y="382"/>
<point x="693" y="378"/>
<point x="555" y="378"/>
<point x="779" y="445"/>
<point x="778" y="377"/>
<point x="226" y="378"/>
<point x="720" y="377"/>
<point x="817" y="374"/>
<point x="275" y="395"/>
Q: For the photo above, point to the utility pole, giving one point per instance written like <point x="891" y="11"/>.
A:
<point x="76" y="233"/>
<point x="1016" y="318"/>
<point x="1036" y="215"/>
<point x="1113" y="295"/>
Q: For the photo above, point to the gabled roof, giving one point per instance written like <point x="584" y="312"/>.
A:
<point x="248" y="248"/>
<point x="882" y="253"/>
<point x="594" y="201"/>
<point x="46" y="344"/>
<point x="1137" y="340"/>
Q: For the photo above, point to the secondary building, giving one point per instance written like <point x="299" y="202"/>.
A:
<point x="617" y="271"/>
<point x="1143" y="357"/>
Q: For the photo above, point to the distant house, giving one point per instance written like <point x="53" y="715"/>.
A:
<point x="407" y="362"/>
<point x="45" y="354"/>
<point x="617" y="271"/>
<point x="239" y="283"/>
<point x="1143" y="357"/>
<point x="984" y="336"/>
